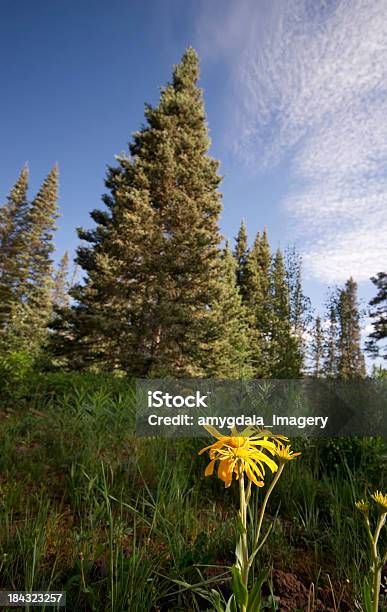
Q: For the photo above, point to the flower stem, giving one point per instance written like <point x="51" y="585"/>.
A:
<point x="376" y="563"/>
<point x="248" y="492"/>
<point x="244" y="545"/>
<point x="262" y="513"/>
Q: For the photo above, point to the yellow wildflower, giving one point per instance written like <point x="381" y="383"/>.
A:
<point x="362" y="506"/>
<point x="285" y="454"/>
<point x="239" y="454"/>
<point x="381" y="500"/>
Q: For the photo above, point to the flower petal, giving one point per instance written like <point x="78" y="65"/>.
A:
<point x="261" y="457"/>
<point x="210" y="468"/>
<point x="251" y="476"/>
<point x="225" y="470"/>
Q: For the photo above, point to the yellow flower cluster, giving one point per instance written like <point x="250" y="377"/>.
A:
<point x="379" y="498"/>
<point x="363" y="506"/>
<point x="285" y="454"/>
<point x="246" y="452"/>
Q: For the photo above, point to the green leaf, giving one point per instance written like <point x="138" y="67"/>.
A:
<point x="239" y="553"/>
<point x="216" y="601"/>
<point x="211" y="430"/>
<point x="239" y="525"/>
<point x="255" y="599"/>
<point x="231" y="605"/>
<point x="367" y="597"/>
<point x="238" y="588"/>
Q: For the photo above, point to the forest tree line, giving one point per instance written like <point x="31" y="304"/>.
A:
<point x="161" y="294"/>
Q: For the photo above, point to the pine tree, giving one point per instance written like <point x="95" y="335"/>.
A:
<point x="258" y="269"/>
<point x="299" y="303"/>
<point x="285" y="353"/>
<point x="30" y="249"/>
<point x="153" y="265"/>
<point x="350" y="359"/>
<point x="264" y="260"/>
<point x="378" y="314"/>
<point x="60" y="339"/>
<point x="258" y="304"/>
<point x="261" y="254"/>
<point x="40" y="231"/>
<point x="241" y="253"/>
<point x="317" y="349"/>
<point x="13" y="250"/>
<point x="330" y="344"/>
<point x="274" y="347"/>
<point x="227" y="341"/>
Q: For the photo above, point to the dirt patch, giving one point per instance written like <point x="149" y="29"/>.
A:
<point x="292" y="594"/>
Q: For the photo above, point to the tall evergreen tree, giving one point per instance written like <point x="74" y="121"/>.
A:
<point x="41" y="220"/>
<point x="299" y="303"/>
<point x="13" y="250"/>
<point x="258" y="269"/>
<point x="31" y="307"/>
<point x="241" y="253"/>
<point x="153" y="265"/>
<point x="350" y="359"/>
<point x="264" y="260"/>
<point x="317" y="346"/>
<point x="286" y="356"/>
<point x="275" y="349"/>
<point x="331" y="339"/>
<point x="227" y="340"/>
<point x="378" y="314"/>
<point x="257" y="300"/>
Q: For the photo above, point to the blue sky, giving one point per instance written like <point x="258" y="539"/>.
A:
<point x="296" y="98"/>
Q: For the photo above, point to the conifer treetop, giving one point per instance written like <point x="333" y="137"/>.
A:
<point x="19" y="190"/>
<point x="187" y="72"/>
<point x="16" y="204"/>
<point x="43" y="211"/>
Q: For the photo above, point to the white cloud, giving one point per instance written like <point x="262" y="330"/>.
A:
<point x="310" y="83"/>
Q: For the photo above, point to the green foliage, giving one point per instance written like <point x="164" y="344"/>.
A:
<point x="238" y="588"/>
<point x="369" y="454"/>
<point x="299" y="303"/>
<point x="330" y="360"/>
<point x="350" y="356"/>
<point x="26" y="247"/>
<point x="227" y="342"/>
<point x="13" y="250"/>
<point x="277" y="312"/>
<point x="367" y="595"/>
<point x="117" y="520"/>
<point x="258" y="303"/>
<point x="343" y="356"/>
<point x="16" y="367"/>
<point x="285" y="348"/>
<point x="378" y="315"/>
<point x="255" y="597"/>
<point x="60" y="292"/>
<point x="317" y="349"/>
<point x="241" y="253"/>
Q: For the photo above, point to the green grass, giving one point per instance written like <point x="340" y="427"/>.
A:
<point x="122" y="524"/>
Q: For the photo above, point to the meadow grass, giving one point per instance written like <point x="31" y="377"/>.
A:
<point x="126" y="524"/>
